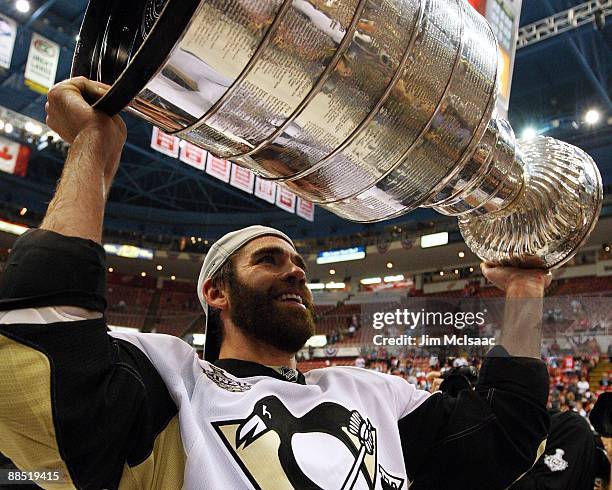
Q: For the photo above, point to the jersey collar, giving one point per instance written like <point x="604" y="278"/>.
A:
<point x="247" y="369"/>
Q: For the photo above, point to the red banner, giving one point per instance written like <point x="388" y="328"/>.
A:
<point x="266" y="190"/>
<point x="218" y="168"/>
<point x="285" y="199"/>
<point x="165" y="143"/>
<point x="193" y="155"/>
<point x="242" y="178"/>
<point x="305" y="209"/>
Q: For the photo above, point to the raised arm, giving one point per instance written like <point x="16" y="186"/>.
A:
<point x="97" y="140"/>
<point x="74" y="399"/>
<point x="488" y="437"/>
<point x="522" y="325"/>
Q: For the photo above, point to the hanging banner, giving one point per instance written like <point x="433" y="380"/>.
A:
<point x="218" y="168"/>
<point x="265" y="189"/>
<point x="242" y="178"/>
<point x="165" y="143"/>
<point x="41" y="67"/>
<point x="305" y="209"/>
<point x="8" y="34"/>
<point x="193" y="155"/>
<point x="285" y="199"/>
<point x="13" y="157"/>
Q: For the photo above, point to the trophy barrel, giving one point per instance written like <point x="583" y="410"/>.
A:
<point x="369" y="108"/>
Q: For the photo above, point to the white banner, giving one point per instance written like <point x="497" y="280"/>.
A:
<point x="218" y="168"/>
<point x="242" y="178"/>
<point x="165" y="143"/>
<point x="41" y="67"/>
<point x="265" y="189"/>
<point x="285" y="199"/>
<point x="13" y="157"/>
<point x="193" y="155"/>
<point x="305" y="209"/>
<point x="8" y="34"/>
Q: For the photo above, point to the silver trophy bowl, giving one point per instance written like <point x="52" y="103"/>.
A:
<point x="368" y="108"/>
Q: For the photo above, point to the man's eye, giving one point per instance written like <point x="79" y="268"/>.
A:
<point x="266" y="258"/>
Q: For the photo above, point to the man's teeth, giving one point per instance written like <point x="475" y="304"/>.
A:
<point x="291" y="297"/>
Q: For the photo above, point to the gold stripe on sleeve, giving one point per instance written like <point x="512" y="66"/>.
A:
<point x="27" y="433"/>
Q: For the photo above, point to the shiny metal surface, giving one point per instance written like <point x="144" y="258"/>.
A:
<point x="369" y="108"/>
<point x="555" y="212"/>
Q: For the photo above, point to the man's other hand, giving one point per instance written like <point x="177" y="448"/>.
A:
<point x="518" y="283"/>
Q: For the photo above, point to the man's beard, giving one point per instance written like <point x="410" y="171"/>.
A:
<point x="258" y="315"/>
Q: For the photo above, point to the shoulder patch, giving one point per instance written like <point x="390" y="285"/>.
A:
<point x="555" y="462"/>
<point x="222" y="380"/>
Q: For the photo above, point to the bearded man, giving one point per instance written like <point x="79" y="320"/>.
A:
<point x="98" y="409"/>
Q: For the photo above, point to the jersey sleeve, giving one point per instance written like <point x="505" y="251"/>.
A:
<point x="73" y="399"/>
<point x="569" y="460"/>
<point x="484" y="438"/>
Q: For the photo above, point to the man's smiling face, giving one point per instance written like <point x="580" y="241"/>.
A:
<point x="268" y="297"/>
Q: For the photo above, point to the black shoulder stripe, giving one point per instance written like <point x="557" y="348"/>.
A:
<point x="49" y="269"/>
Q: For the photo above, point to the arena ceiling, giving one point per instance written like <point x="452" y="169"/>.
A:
<point x="556" y="81"/>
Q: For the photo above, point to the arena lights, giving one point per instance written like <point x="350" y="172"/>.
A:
<point x="396" y="278"/>
<point x="332" y="271"/>
<point x="33" y="128"/>
<point x="159" y="267"/>
<point x="471" y="269"/>
<point x="371" y="280"/>
<point x="434" y="240"/>
<point x="592" y="117"/>
<point x="335" y="285"/>
<point x="389" y="265"/>
<point x="12" y="228"/>
<point x="315" y="286"/>
<point x="143" y="274"/>
<point x="529" y="133"/>
<point x="129" y="251"/>
<point x="343" y="255"/>
<point x="23" y="211"/>
<point x="111" y="270"/>
<point x="461" y="254"/>
<point x="173" y="278"/>
<point x="22" y="6"/>
<point x="8" y="128"/>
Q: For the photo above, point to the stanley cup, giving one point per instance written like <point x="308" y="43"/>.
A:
<point x="368" y="108"/>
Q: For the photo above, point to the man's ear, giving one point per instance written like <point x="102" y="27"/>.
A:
<point x="216" y="297"/>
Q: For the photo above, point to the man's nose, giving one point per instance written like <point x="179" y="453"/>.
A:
<point x="295" y="273"/>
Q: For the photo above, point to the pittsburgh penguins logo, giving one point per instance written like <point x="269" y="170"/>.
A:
<point x="328" y="447"/>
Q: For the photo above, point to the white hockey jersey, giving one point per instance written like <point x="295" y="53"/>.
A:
<point x="336" y="431"/>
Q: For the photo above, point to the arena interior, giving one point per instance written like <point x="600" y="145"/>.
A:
<point x="164" y="214"/>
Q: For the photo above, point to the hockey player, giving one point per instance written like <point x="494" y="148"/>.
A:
<point x="97" y="409"/>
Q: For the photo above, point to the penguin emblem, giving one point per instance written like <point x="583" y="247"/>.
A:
<point x="555" y="462"/>
<point x="328" y="447"/>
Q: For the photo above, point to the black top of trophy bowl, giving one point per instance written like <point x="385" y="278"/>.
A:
<point x="123" y="43"/>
